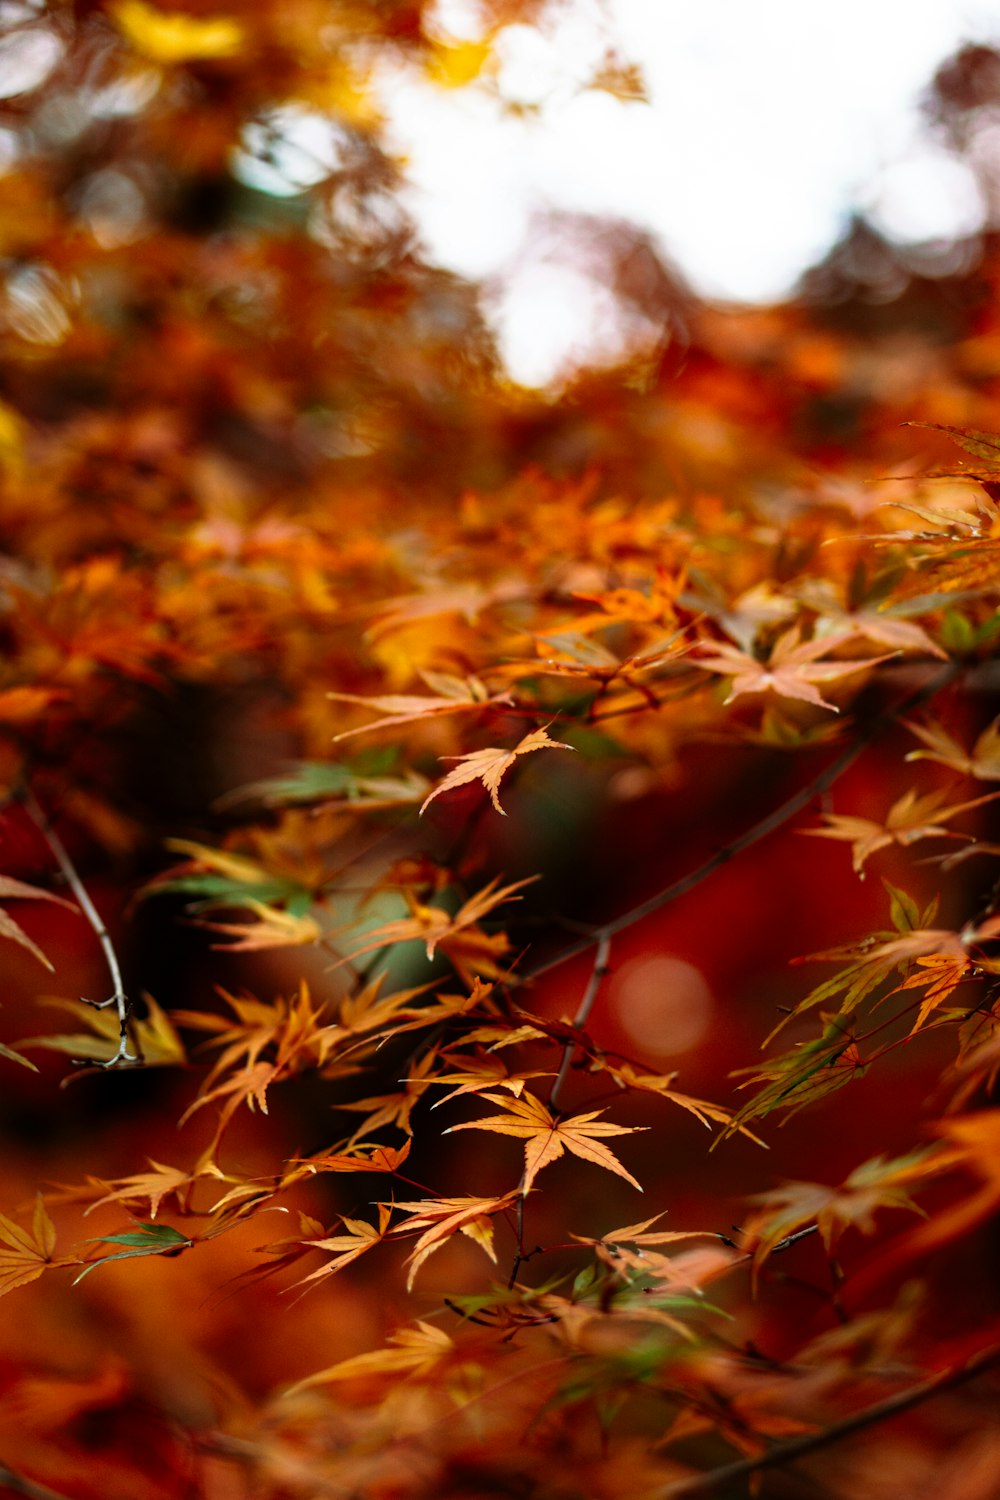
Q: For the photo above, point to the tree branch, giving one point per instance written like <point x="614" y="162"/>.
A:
<point x="118" y="998"/>
<point x="812" y="1442"/>
<point x="602" y="953"/>
<point x="758" y="831"/>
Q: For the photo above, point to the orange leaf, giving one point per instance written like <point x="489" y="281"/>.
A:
<point x="489" y="766"/>
<point x="546" y="1138"/>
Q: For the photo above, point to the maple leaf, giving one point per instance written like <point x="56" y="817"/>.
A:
<point x="392" y="1109"/>
<point x="476" y="1073"/>
<point x="459" y="936"/>
<point x="909" y="819"/>
<point x="546" y="1137"/>
<point x="972" y="1144"/>
<point x="291" y="1031"/>
<point x="147" y="1239"/>
<point x="875" y="1185"/>
<point x="629" y="1077"/>
<point x="440" y="1218"/>
<point x="9" y="889"/>
<point x="411" y="1351"/>
<point x="938" y="975"/>
<point x="159" y="1183"/>
<point x="359" y="1239"/>
<point x="274" y="928"/>
<point x="983" y="762"/>
<point x="154" y="1034"/>
<point x="408" y="708"/>
<point x="25" y="1254"/>
<point x="364" y="1156"/>
<point x="489" y="766"/>
<point x="791" y="670"/>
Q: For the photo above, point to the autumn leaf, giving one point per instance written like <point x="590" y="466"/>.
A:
<point x="791" y="670"/>
<point x="442" y="1217"/>
<point x="411" y="1351"/>
<point x="25" y="1254"/>
<point x="154" y="1034"/>
<point x="403" y="708"/>
<point x="274" y="928"/>
<point x="661" y="1084"/>
<point x="546" y="1137"/>
<point x="11" y="888"/>
<point x="472" y="951"/>
<point x="363" y="1156"/>
<point x="983" y="762"/>
<point x="938" y="975"/>
<point x="985" y="445"/>
<point x="155" y="1185"/>
<point x="876" y="1185"/>
<point x="489" y="766"/>
<point x="910" y="819"/>
<point x="358" y="1240"/>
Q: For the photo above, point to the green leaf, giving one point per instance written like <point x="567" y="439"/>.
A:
<point x="150" y="1239"/>
<point x="223" y="890"/>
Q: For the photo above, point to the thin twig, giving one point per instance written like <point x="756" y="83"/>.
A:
<point x="782" y="1453"/>
<point x="602" y="954"/>
<point x="758" y="831"/>
<point x="118" y="998"/>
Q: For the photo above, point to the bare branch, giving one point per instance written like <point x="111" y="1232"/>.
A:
<point x="717" y="1480"/>
<point x="602" y="954"/>
<point x="758" y="831"/>
<point x="118" y="998"/>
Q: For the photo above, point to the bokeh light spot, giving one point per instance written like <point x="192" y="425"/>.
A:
<point x="662" y="1003"/>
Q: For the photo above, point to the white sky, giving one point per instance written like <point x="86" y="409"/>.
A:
<point x="768" y="122"/>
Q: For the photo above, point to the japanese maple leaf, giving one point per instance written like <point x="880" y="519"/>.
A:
<point x="459" y="936"/>
<point x="410" y="1351"/>
<point x="938" y="975"/>
<point x="440" y="1218"/>
<point x="24" y="1253"/>
<point x="983" y="762"/>
<point x="9" y="887"/>
<point x="160" y="1182"/>
<point x="490" y="765"/>
<point x="546" y="1137"/>
<point x="358" y="1240"/>
<point x="365" y="1156"/>
<point x="791" y="670"/>
<point x="875" y="1185"/>
<point x="406" y="708"/>
<point x="274" y="928"/>
<point x="909" y="819"/>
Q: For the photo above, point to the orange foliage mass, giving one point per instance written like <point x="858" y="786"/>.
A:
<point x="281" y="544"/>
